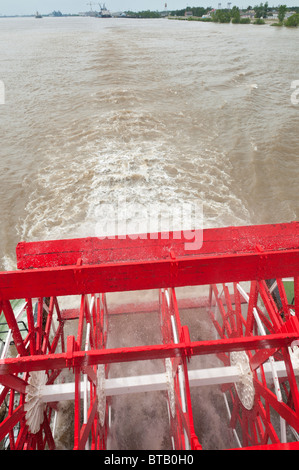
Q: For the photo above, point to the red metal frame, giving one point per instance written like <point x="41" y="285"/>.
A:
<point x="94" y="266"/>
<point x="256" y="424"/>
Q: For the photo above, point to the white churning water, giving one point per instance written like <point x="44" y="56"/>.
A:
<point x="150" y="112"/>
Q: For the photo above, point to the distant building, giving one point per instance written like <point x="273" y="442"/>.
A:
<point x="273" y="15"/>
<point x="188" y="13"/>
<point x="248" y="14"/>
<point x="289" y="13"/>
<point x="209" y="14"/>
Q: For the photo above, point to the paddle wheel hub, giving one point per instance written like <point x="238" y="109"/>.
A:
<point x="34" y="405"/>
<point x="58" y="343"/>
<point x="245" y="386"/>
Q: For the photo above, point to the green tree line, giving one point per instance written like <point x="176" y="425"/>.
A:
<point x="261" y="10"/>
<point x="144" y="14"/>
<point x="196" y="11"/>
<point x="229" y="15"/>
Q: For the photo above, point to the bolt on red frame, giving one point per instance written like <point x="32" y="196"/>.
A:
<point x="257" y="326"/>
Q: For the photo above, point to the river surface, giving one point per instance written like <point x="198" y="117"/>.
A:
<point x="101" y="114"/>
<point x="147" y="112"/>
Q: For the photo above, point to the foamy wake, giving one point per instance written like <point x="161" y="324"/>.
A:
<point x="131" y="159"/>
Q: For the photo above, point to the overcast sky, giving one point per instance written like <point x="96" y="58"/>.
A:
<point x="28" y="7"/>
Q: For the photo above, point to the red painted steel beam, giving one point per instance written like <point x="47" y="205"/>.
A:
<point x="13" y="325"/>
<point x="11" y="421"/>
<point x="233" y="254"/>
<point x="278" y="446"/>
<point x="149" y="307"/>
<point x="147" y="247"/>
<point x="48" y="433"/>
<point x="282" y="409"/>
<point x="86" y="428"/>
<point x="129" y="276"/>
<point x="79" y="359"/>
<point x="13" y="382"/>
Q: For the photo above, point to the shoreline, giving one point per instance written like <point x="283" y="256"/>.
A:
<point x="267" y="21"/>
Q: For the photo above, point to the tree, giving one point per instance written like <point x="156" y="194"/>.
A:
<point x="236" y="15"/>
<point x="259" y="21"/>
<point x="261" y="10"/>
<point x="198" y="11"/>
<point x="149" y="14"/>
<point x="266" y="8"/>
<point x="144" y="14"/>
<point x="282" y="13"/>
<point x="292" y="21"/>
<point x="221" y="16"/>
<point x="258" y="11"/>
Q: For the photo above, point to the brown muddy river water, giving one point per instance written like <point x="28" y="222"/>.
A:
<point x="146" y="112"/>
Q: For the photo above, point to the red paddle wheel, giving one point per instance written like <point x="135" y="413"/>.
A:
<point x="268" y="375"/>
<point x="253" y="278"/>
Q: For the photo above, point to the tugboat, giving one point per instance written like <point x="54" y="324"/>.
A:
<point x="104" y="13"/>
<point x="38" y="15"/>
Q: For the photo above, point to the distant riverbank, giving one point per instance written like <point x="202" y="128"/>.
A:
<point x="245" y="20"/>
